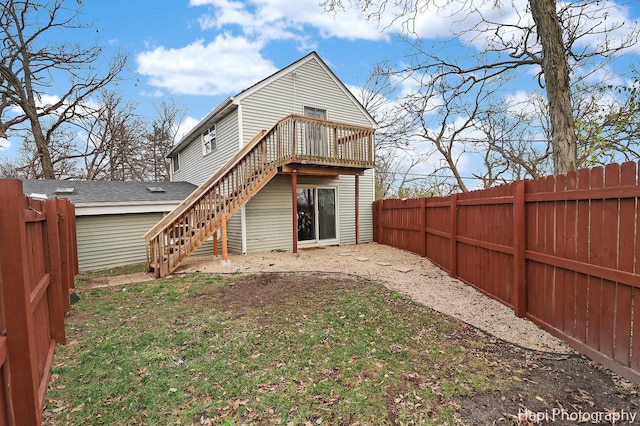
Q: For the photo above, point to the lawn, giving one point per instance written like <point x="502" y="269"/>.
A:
<point x="206" y="349"/>
<point x="292" y="349"/>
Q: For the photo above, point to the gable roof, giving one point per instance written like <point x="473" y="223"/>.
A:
<point x="232" y="102"/>
<point x="101" y="193"/>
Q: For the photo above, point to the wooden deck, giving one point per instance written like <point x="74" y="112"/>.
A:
<point x="294" y="143"/>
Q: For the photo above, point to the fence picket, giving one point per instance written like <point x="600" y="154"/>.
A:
<point x="582" y="243"/>
<point x="610" y="234"/>
<point x="561" y="251"/>
<point x="37" y="262"/>
<point x="569" y="297"/>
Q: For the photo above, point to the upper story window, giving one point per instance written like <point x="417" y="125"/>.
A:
<point x="175" y="162"/>
<point x="209" y="141"/>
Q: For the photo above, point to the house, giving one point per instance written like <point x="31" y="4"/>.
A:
<point x="285" y="164"/>
<point x="112" y="216"/>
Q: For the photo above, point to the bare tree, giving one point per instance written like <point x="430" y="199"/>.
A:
<point x="551" y="43"/>
<point x="395" y="156"/>
<point x="512" y="138"/>
<point x="34" y="68"/>
<point x="608" y="123"/>
<point x="161" y="138"/>
<point x="114" y="142"/>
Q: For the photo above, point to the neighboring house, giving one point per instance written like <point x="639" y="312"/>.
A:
<point x="112" y="217"/>
<point x="306" y="138"/>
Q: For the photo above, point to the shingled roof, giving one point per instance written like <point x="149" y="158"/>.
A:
<point x="109" y="192"/>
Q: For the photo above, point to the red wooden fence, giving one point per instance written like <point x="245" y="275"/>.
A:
<point x="38" y="263"/>
<point x="562" y="251"/>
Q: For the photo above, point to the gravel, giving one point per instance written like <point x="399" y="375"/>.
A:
<point x="405" y="272"/>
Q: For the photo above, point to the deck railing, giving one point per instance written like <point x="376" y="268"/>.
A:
<point x="294" y="139"/>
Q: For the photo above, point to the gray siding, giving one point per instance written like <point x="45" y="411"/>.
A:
<point x="269" y="217"/>
<point x="108" y="241"/>
<point x="196" y="168"/>
<point x="367" y="197"/>
<point x="268" y="214"/>
<point x="269" y="224"/>
<point x="234" y="233"/>
<point x="313" y="87"/>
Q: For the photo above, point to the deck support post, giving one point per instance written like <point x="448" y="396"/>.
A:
<point x="294" y="208"/>
<point x="357" y="209"/>
<point x="215" y="243"/>
<point x="223" y="228"/>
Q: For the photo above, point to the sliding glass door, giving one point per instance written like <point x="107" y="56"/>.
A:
<point x="317" y="215"/>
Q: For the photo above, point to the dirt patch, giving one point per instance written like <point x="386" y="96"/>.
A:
<point x="546" y="388"/>
<point x="559" y="389"/>
<point x="407" y="273"/>
<point x="264" y="294"/>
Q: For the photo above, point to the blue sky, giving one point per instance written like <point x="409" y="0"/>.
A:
<point x="198" y="52"/>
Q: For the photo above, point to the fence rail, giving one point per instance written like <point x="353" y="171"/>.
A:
<point x="38" y="263"/>
<point x="563" y="251"/>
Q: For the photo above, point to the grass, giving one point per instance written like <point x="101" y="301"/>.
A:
<point x="277" y="349"/>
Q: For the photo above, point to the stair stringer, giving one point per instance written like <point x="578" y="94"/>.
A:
<point x="202" y="233"/>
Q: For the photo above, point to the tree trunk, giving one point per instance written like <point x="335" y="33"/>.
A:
<point x="556" y="76"/>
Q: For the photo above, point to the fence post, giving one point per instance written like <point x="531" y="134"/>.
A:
<point x="53" y="266"/>
<point x="380" y="227"/>
<point x="21" y="343"/>
<point x="453" y="230"/>
<point x="423" y="212"/>
<point x="519" y="247"/>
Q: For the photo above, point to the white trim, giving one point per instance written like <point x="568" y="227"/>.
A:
<point x="327" y="242"/>
<point x="96" y="209"/>
<point x="240" y="128"/>
<point x="243" y="213"/>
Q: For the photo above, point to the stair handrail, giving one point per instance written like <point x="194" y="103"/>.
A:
<point x="194" y="197"/>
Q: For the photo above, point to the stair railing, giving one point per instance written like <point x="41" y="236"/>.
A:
<point x="294" y="139"/>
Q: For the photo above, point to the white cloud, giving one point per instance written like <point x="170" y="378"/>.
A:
<point x="287" y="19"/>
<point x="4" y="144"/>
<point x="224" y="66"/>
<point x="185" y="127"/>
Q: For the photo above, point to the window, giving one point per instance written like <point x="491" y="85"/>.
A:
<point x="209" y="142"/>
<point x="316" y="135"/>
<point x="175" y="162"/>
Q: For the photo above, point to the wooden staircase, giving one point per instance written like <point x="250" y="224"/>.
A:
<point x="211" y="205"/>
